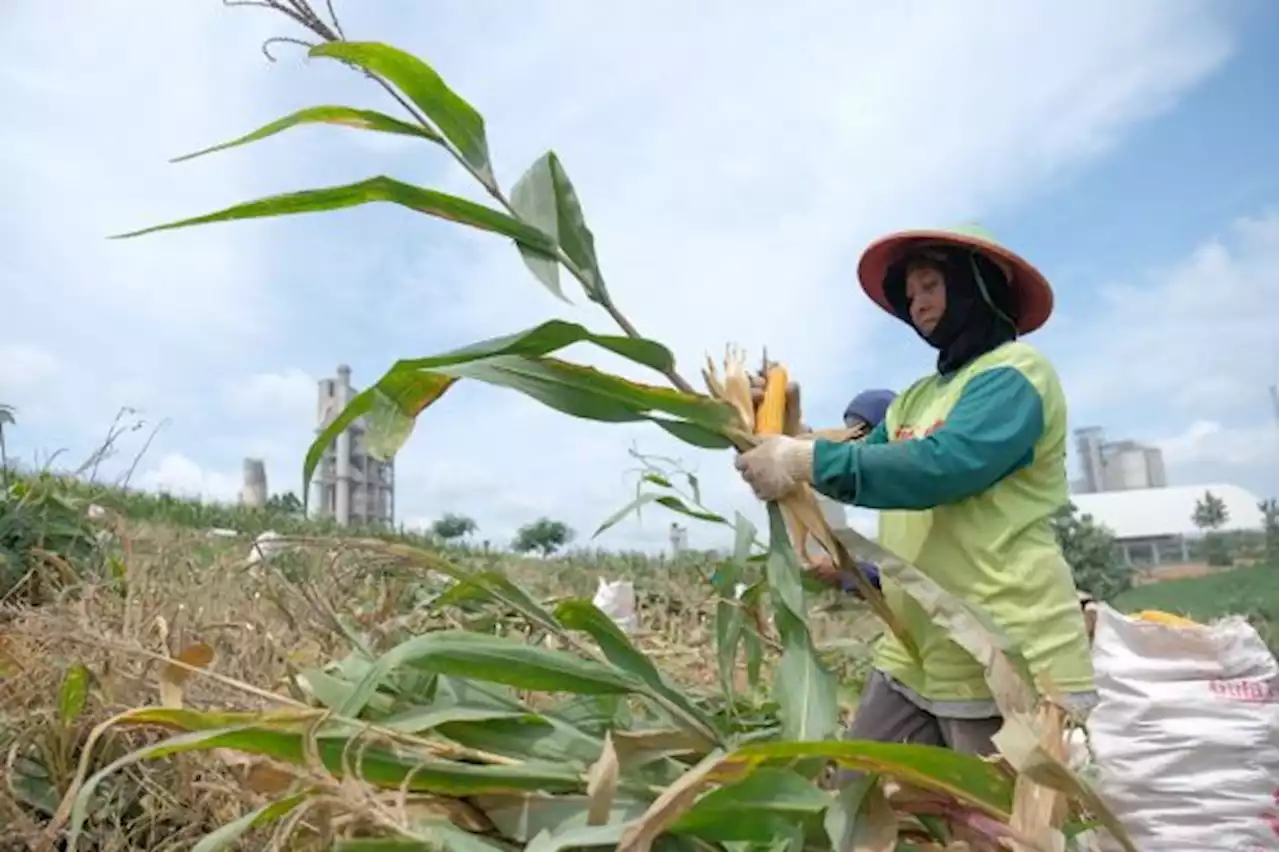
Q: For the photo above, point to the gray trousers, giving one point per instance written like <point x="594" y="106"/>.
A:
<point x="886" y="716"/>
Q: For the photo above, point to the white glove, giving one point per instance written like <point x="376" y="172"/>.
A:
<point x="777" y="466"/>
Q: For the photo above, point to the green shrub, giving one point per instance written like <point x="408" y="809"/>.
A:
<point x="45" y="537"/>
<point x="1090" y="550"/>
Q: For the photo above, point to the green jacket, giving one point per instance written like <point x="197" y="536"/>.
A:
<point x="968" y="470"/>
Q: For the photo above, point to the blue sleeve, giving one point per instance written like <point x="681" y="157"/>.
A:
<point x="990" y="433"/>
<point x="872" y="573"/>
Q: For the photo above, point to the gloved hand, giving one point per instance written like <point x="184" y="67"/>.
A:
<point x="777" y="466"/>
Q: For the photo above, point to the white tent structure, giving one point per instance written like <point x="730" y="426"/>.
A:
<point x="1154" y="526"/>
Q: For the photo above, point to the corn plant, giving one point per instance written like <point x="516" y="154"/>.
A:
<point x="462" y="740"/>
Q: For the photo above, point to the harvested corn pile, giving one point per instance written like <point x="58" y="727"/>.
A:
<point x="1168" y="619"/>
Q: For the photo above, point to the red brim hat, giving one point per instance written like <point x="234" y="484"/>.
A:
<point x="1031" y="290"/>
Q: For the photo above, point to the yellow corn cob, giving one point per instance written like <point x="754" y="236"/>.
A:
<point x="1168" y="619"/>
<point x="799" y="509"/>
<point x="771" y="418"/>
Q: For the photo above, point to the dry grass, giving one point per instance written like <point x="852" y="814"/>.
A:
<point x="265" y="623"/>
<point x="181" y="590"/>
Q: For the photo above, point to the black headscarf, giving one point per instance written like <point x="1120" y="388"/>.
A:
<point x="981" y="311"/>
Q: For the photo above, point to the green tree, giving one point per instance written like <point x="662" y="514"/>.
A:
<point x="453" y="526"/>
<point x="543" y="535"/>
<point x="1090" y="550"/>
<point x="1270" y="527"/>
<point x="286" y="503"/>
<point x="6" y="417"/>
<point x="1210" y="515"/>
<point x="1211" y="512"/>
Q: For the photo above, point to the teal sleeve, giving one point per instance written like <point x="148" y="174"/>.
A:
<point x="990" y="433"/>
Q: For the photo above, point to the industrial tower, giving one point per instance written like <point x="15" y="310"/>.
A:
<point x="350" y="486"/>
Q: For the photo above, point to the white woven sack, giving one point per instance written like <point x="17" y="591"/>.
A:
<point x="1185" y="735"/>
<point x="617" y="599"/>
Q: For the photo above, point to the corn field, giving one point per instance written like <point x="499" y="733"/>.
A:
<point x="456" y="709"/>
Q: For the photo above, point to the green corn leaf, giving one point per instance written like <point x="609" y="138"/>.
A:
<point x="693" y="434"/>
<point x="585" y="616"/>
<point x="435" y="835"/>
<point x="968" y="779"/>
<point x="333" y="692"/>
<point x="380" y="767"/>
<point x="421" y="719"/>
<point x="362" y="119"/>
<point x="804" y="688"/>
<point x="530" y="737"/>
<point x="675" y="504"/>
<point x="546" y="338"/>
<point x="460" y="690"/>
<point x="74" y="694"/>
<point x="497" y="659"/>
<point x="29" y="783"/>
<point x="669" y="501"/>
<point x="656" y="479"/>
<point x="545" y="198"/>
<point x="579" y="837"/>
<point x="521" y="817"/>
<point x="227" y="836"/>
<point x="518" y="361"/>
<point x="492" y="585"/>
<point x="456" y="119"/>
<point x="592" y="714"/>
<point x="381" y="188"/>
<point x="633" y="507"/>
<point x="756" y="809"/>
<point x="730" y="615"/>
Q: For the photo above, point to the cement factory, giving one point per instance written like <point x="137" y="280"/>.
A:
<point x="350" y="486"/>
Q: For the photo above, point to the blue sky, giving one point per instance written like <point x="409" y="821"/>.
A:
<point x="732" y="160"/>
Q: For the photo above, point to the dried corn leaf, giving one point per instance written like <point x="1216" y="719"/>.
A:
<point x="1039" y="811"/>
<point x="737" y="387"/>
<point x="1005" y="670"/>
<point x="1019" y="742"/>
<point x="803" y="505"/>
<point x="668" y="807"/>
<point x="861" y="818"/>
<point x="602" y="784"/>
<point x="196" y="656"/>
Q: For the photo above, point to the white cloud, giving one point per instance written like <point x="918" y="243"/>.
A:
<point x="732" y="184"/>
<point x="1200" y="335"/>
<point x="180" y="476"/>
<point x="288" y="395"/>
<point x="1207" y="441"/>
<point x="731" y="187"/>
<point x="90" y="159"/>
<point x="1185" y="358"/>
<point x="732" y="162"/>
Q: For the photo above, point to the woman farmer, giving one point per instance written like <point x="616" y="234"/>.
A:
<point x="967" y="469"/>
